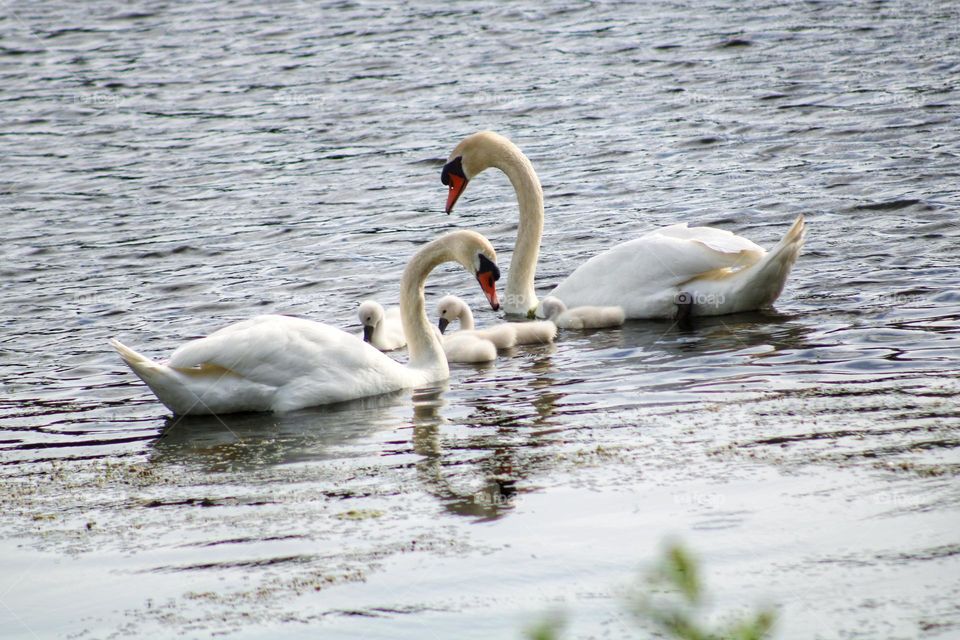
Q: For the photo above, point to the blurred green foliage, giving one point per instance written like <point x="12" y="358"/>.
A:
<point x="670" y="602"/>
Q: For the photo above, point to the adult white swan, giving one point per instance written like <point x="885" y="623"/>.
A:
<point x="279" y="363"/>
<point x="708" y="271"/>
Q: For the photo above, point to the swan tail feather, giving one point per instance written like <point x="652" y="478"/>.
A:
<point x="791" y="243"/>
<point x="769" y="276"/>
<point x="727" y="290"/>
<point x="165" y="382"/>
<point x="135" y="360"/>
<point x="156" y="376"/>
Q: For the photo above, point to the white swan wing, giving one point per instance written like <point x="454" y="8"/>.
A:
<point x="643" y="275"/>
<point x="269" y="349"/>
<point x="717" y="240"/>
<point x="305" y="362"/>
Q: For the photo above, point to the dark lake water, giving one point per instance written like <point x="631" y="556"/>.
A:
<point x="169" y="168"/>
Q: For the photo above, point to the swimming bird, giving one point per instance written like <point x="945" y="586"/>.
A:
<point x="503" y="335"/>
<point x="383" y="328"/>
<point x="581" y="317"/>
<point x="279" y="363"/>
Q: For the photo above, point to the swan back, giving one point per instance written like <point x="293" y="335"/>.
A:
<point x="503" y="336"/>
<point x="464" y="347"/>
<point x="270" y="363"/>
<point x="723" y="273"/>
<point x="535" y="332"/>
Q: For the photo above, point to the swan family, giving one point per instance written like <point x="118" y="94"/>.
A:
<point x="280" y="363"/>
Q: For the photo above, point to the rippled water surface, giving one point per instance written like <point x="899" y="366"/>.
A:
<point x="168" y="168"/>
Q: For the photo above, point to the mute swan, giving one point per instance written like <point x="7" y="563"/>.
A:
<point x="581" y="317"/>
<point x="381" y="328"/>
<point x="715" y="270"/>
<point x="504" y="335"/>
<point x="279" y="363"/>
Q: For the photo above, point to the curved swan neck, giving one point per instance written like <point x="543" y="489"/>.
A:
<point x="424" y="347"/>
<point x="466" y="317"/>
<point x="520" y="296"/>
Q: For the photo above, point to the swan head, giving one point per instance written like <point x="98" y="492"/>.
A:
<point x="476" y="255"/>
<point x="449" y="308"/>
<point x="371" y="315"/>
<point x="487" y="275"/>
<point x="455" y="178"/>
<point x="551" y="307"/>
<point x="475" y="153"/>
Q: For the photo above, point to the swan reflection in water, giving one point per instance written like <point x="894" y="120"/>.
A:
<point x="238" y="441"/>
<point x="254" y="441"/>
<point x="478" y="463"/>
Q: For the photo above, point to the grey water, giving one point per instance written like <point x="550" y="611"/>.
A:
<point x="169" y="168"/>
